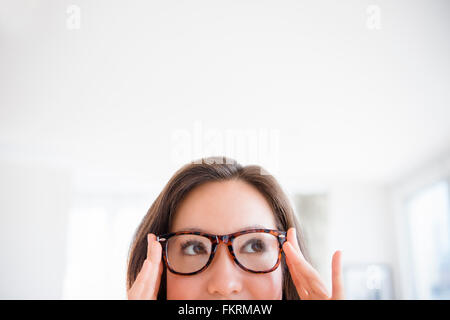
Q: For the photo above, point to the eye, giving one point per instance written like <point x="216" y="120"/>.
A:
<point x="192" y="248"/>
<point x="253" y="246"/>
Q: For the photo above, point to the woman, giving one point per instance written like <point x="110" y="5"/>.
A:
<point x="218" y="231"/>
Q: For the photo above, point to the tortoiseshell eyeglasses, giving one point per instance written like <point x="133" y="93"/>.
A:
<point x="191" y="252"/>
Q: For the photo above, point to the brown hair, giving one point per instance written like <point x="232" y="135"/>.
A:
<point x="161" y="213"/>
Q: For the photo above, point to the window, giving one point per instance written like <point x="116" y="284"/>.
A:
<point x="428" y="213"/>
<point x="100" y="232"/>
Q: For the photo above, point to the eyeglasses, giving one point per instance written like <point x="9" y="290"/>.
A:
<point x="254" y="250"/>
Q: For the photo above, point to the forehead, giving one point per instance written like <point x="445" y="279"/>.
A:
<point x="223" y="207"/>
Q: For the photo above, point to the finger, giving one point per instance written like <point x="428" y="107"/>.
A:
<point x="142" y="278"/>
<point x="154" y="278"/>
<point x="150" y="238"/>
<point x="154" y="257"/>
<point x="158" y="281"/>
<point x="292" y="237"/>
<point x="316" y="287"/>
<point x="305" y="273"/>
<point x="336" y="275"/>
<point x="298" y="283"/>
<point x="317" y="284"/>
<point x="144" y="273"/>
<point x="295" y="257"/>
<point x="137" y="289"/>
<point x="154" y="250"/>
<point x="319" y="292"/>
<point x="145" y="286"/>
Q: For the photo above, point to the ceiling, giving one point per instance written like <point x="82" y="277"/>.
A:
<point x="140" y="88"/>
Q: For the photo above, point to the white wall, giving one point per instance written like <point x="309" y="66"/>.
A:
<point x="362" y="225"/>
<point x="353" y="217"/>
<point x="34" y="202"/>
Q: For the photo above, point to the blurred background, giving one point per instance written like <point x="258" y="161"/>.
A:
<point x="346" y="103"/>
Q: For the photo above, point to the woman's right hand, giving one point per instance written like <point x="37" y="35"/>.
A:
<point x="146" y="285"/>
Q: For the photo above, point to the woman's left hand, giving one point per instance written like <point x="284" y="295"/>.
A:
<point x="306" y="279"/>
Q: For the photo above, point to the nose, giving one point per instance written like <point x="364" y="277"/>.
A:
<point x="225" y="276"/>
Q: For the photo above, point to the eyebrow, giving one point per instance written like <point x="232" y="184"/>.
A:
<point x="254" y="226"/>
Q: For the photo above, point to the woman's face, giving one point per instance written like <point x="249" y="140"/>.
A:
<point x="221" y="208"/>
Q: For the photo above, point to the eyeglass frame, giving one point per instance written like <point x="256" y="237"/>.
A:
<point x="227" y="239"/>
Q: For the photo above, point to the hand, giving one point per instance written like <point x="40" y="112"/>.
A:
<point x="306" y="278"/>
<point x="147" y="282"/>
